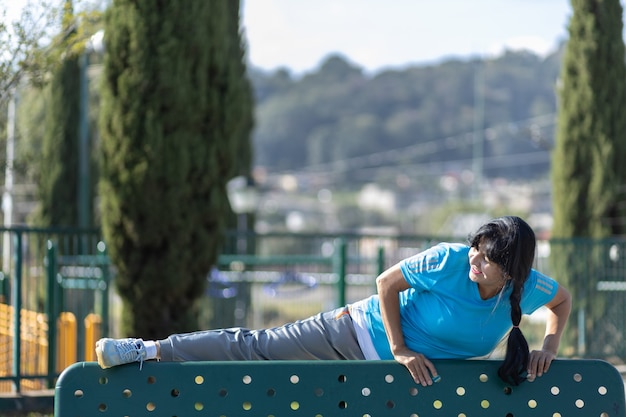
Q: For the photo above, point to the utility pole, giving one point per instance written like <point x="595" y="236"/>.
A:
<point x="479" y="129"/>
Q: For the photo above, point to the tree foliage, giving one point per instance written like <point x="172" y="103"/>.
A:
<point x="588" y="177"/>
<point x="58" y="173"/>
<point x="22" y="42"/>
<point x="588" y="173"/>
<point x="40" y="72"/>
<point x="175" y="120"/>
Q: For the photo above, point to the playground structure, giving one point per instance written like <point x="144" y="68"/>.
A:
<point x="33" y="349"/>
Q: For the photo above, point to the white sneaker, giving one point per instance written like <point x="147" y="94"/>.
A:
<point x="113" y="352"/>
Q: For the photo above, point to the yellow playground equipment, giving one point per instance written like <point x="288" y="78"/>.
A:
<point x="34" y="345"/>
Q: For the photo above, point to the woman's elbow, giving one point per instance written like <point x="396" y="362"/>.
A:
<point x="391" y="280"/>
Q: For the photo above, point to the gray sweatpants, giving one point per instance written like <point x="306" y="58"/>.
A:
<point x="326" y="336"/>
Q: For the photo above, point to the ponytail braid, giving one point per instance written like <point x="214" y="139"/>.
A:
<point x="515" y="364"/>
<point x="510" y="242"/>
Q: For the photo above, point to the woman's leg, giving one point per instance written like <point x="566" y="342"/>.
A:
<point x="328" y="335"/>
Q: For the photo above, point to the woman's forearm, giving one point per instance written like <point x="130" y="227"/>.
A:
<point x="389" y="285"/>
<point x="558" y="314"/>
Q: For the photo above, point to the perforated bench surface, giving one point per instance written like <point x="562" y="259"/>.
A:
<point x="586" y="388"/>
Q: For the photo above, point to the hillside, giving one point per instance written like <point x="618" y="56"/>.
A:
<point x="387" y="150"/>
<point x="343" y="126"/>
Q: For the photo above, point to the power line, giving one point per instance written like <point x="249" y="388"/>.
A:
<point x="379" y="160"/>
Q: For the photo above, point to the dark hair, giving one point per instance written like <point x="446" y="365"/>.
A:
<point x="510" y="242"/>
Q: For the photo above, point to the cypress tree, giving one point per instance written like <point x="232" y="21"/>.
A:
<point x="591" y="137"/>
<point x="58" y="176"/>
<point x="172" y="99"/>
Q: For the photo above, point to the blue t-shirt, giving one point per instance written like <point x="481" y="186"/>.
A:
<point x="442" y="314"/>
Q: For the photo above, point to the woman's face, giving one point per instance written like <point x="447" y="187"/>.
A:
<point x="487" y="274"/>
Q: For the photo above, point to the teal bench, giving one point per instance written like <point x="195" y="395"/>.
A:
<point x="585" y="388"/>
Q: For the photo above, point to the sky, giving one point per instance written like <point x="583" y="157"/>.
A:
<point x="381" y="34"/>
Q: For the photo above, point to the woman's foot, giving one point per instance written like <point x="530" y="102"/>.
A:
<point x="114" y="352"/>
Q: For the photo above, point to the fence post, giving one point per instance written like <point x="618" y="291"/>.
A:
<point x="4" y="286"/>
<point x="340" y="267"/>
<point x="51" y="308"/>
<point x="380" y="260"/>
<point x="105" y="290"/>
<point x="17" y="308"/>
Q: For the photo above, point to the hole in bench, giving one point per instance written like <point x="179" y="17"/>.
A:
<point x="578" y="377"/>
<point x="390" y="404"/>
<point x="484" y="404"/>
<point x="460" y="391"/>
<point x="294" y="379"/>
<point x="294" y="405"/>
<point x="103" y="380"/>
<point x="555" y="390"/>
<point x="222" y="392"/>
<point x="271" y="392"/>
<point x="437" y="404"/>
<point x="343" y="405"/>
<point x="508" y="390"/>
<point x="247" y="405"/>
<point x="174" y="392"/>
<point x="198" y="406"/>
<point x="342" y="378"/>
<point x="247" y="379"/>
<point x="389" y="378"/>
<point x="151" y="380"/>
<point x="318" y="392"/>
<point x="579" y="403"/>
<point x="78" y="393"/>
<point x="366" y="392"/>
<point x="602" y="390"/>
<point x="199" y="380"/>
<point x="413" y="391"/>
<point x="102" y="407"/>
<point x="483" y="378"/>
<point x="127" y="393"/>
<point x="532" y="404"/>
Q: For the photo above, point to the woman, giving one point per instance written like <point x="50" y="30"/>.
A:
<point x="448" y="302"/>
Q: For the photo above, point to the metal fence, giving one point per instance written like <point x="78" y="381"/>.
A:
<point x="29" y="285"/>
<point x="279" y="278"/>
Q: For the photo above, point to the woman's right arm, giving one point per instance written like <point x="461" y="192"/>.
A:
<point x="389" y="285"/>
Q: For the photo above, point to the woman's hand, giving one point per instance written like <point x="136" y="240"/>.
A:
<point x="418" y="365"/>
<point x="539" y="363"/>
<point x="558" y="312"/>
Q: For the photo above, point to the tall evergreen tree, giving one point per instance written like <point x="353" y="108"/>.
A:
<point x="173" y="97"/>
<point x="58" y="175"/>
<point x="587" y="166"/>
